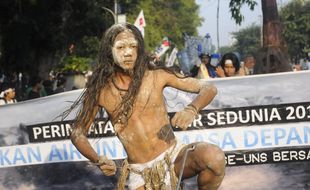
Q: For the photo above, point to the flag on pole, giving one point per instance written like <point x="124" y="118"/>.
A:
<point x="161" y="49"/>
<point x="140" y="22"/>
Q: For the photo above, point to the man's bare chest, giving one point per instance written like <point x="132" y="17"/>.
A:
<point x="149" y="95"/>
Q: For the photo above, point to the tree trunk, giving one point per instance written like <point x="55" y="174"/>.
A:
<point x="272" y="57"/>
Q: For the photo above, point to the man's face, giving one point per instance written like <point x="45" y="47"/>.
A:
<point x="125" y="50"/>
<point x="249" y="62"/>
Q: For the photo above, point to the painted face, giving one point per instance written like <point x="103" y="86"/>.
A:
<point x="229" y="68"/>
<point x="125" y="50"/>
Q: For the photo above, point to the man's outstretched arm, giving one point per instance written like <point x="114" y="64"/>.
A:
<point x="205" y="90"/>
<point x="206" y="94"/>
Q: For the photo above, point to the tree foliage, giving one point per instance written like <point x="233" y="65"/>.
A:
<point x="235" y="8"/>
<point x="247" y="40"/>
<point x="37" y="34"/>
<point x="168" y="18"/>
<point x="295" y="17"/>
<point x="74" y="64"/>
<point x="226" y="49"/>
<point x="272" y="56"/>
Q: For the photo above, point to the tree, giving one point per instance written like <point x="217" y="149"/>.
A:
<point x="235" y="8"/>
<point x="272" y="57"/>
<point x="295" y="17"/>
<point x="247" y="40"/>
<point x="167" y="18"/>
<point x="226" y="49"/>
<point x="37" y="35"/>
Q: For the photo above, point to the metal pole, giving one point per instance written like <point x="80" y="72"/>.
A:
<point x="217" y="25"/>
<point x="114" y="16"/>
<point x="115" y="11"/>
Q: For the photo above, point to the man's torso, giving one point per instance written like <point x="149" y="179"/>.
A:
<point x="148" y="132"/>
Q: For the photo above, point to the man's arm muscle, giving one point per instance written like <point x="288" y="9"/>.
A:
<point x="79" y="139"/>
<point x="206" y="91"/>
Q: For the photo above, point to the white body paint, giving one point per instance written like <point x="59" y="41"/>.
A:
<point x="124" y="50"/>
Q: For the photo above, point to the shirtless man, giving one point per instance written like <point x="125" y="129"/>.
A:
<point x="131" y="91"/>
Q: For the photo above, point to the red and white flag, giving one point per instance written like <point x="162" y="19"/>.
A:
<point x="140" y="22"/>
<point x="165" y="45"/>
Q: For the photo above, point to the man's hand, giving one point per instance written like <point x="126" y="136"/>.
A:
<point x="184" y="118"/>
<point x="108" y="167"/>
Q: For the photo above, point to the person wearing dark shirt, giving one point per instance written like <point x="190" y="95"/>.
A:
<point x="205" y="69"/>
<point x="36" y="85"/>
<point x="61" y="85"/>
<point x="48" y="86"/>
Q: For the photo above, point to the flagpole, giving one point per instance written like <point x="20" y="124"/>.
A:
<point x="115" y="11"/>
<point x="217" y="26"/>
<point x="114" y="14"/>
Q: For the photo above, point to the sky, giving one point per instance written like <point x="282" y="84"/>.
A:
<point x="208" y="11"/>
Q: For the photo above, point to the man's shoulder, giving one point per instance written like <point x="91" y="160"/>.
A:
<point x="159" y="71"/>
<point x="158" y="74"/>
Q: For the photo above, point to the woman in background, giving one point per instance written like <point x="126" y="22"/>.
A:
<point x="229" y="66"/>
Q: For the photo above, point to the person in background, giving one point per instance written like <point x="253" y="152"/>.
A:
<point x="205" y="69"/>
<point x="248" y="66"/>
<point x="215" y="59"/>
<point x="48" y="86"/>
<point x="36" y="86"/>
<point x="229" y="66"/>
<point x="199" y="70"/>
<point x="296" y="67"/>
<point x="61" y="81"/>
<point x="303" y="64"/>
<point x="7" y="96"/>
<point x="308" y="63"/>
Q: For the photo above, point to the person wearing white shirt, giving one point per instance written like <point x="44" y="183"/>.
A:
<point x="7" y="96"/>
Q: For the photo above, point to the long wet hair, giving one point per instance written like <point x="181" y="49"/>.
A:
<point x="104" y="71"/>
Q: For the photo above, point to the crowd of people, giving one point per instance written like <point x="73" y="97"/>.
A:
<point x="18" y="87"/>
<point x="212" y="66"/>
<point x="229" y="65"/>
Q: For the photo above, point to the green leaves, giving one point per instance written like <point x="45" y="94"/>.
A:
<point x="36" y="34"/>
<point x="75" y="64"/>
<point x="247" y="40"/>
<point x="167" y="18"/>
<point x="295" y="17"/>
<point x="88" y="46"/>
<point x="235" y="7"/>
